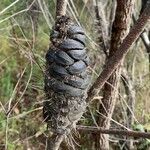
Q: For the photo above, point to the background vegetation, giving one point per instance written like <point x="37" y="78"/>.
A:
<point x="24" y="39"/>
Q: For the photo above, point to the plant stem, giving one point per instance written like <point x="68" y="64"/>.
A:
<point x="127" y="133"/>
<point x="61" y="7"/>
<point x="53" y="142"/>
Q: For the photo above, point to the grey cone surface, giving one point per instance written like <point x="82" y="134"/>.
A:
<point x="66" y="77"/>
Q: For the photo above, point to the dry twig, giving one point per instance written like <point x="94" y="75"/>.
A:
<point x="114" y="61"/>
<point x="102" y="29"/>
<point x="120" y="29"/>
<point x="113" y="131"/>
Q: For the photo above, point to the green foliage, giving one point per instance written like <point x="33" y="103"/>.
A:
<point x="139" y="127"/>
<point x="143" y="144"/>
<point x="6" y="82"/>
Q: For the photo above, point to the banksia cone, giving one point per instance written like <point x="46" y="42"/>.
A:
<point x="67" y="76"/>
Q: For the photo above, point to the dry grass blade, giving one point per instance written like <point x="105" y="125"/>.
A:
<point x="8" y="7"/>
<point x="14" y="91"/>
<point x="17" y="13"/>
<point x="44" y="13"/>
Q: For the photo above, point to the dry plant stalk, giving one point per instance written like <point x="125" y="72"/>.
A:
<point x="130" y="93"/>
<point x="120" y="29"/>
<point x="115" y="60"/>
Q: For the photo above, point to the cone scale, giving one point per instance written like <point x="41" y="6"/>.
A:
<point x="66" y="77"/>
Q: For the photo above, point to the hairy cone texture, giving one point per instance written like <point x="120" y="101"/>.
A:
<point x="67" y="76"/>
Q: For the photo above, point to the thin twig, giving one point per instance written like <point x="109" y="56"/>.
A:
<point x="114" y="61"/>
<point x="130" y="93"/>
<point x="53" y="143"/>
<point x="144" y="37"/>
<point x="120" y="29"/>
<point x="112" y="16"/>
<point x="17" y="13"/>
<point x="130" y="133"/>
<point x="102" y="28"/>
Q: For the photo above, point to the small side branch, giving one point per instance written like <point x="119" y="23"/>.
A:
<point x="90" y="129"/>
